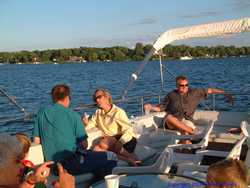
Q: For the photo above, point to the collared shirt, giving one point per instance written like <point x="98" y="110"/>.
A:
<point x="183" y="106"/>
<point x="60" y="130"/>
<point x="112" y="123"/>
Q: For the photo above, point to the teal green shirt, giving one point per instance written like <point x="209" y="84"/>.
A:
<point x="60" y="130"/>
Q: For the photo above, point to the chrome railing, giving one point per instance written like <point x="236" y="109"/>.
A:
<point x="22" y="116"/>
<point x="209" y="104"/>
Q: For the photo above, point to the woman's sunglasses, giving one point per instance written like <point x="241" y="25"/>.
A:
<point x="97" y="97"/>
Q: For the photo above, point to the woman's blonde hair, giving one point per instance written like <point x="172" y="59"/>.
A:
<point x="105" y="92"/>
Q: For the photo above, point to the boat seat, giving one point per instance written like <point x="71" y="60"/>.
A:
<point x="36" y="156"/>
<point x="198" y="171"/>
<point x="204" y="136"/>
<point x="161" y="165"/>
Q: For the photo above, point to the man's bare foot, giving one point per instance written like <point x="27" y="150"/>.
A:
<point x="133" y="162"/>
<point x="185" y="142"/>
<point x="234" y="130"/>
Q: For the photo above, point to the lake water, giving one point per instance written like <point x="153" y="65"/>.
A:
<point x="31" y="84"/>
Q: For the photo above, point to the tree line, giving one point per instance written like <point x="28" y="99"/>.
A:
<point x="118" y="53"/>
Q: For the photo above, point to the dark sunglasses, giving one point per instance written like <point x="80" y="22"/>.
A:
<point x="183" y="85"/>
<point x="97" y="97"/>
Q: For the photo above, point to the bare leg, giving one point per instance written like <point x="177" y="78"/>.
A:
<point x="111" y="144"/>
<point x="173" y="122"/>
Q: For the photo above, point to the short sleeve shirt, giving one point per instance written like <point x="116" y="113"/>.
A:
<point x="60" y="130"/>
<point x="183" y="106"/>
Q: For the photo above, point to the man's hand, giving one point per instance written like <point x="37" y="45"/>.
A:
<point x="85" y="144"/>
<point x="85" y="119"/>
<point x="235" y="130"/>
<point x="37" y="140"/>
<point x="229" y="98"/>
<point x="65" y="179"/>
<point x="147" y="108"/>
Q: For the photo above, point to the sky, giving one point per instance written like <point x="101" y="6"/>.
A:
<point x="53" y="24"/>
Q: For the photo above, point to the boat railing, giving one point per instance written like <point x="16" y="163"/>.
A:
<point x="211" y="103"/>
<point x="20" y="114"/>
<point x="133" y="105"/>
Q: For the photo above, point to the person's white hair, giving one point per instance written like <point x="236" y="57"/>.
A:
<point x="10" y="148"/>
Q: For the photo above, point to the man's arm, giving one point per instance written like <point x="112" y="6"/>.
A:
<point x="149" y="107"/>
<point x="215" y="91"/>
<point x="229" y="97"/>
<point x="84" y="144"/>
<point x="157" y="108"/>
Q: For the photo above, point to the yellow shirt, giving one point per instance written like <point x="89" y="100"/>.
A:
<point x="114" y="122"/>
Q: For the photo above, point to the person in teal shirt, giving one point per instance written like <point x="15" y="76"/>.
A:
<point x="61" y="133"/>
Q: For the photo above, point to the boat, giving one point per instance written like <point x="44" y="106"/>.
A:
<point x="156" y="146"/>
<point x="186" y="58"/>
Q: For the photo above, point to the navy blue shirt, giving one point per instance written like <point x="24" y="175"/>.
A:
<point x="183" y="106"/>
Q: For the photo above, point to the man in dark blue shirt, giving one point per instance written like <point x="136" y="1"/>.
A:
<point x="180" y="105"/>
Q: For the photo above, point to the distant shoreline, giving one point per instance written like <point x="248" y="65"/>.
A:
<point x="120" y="54"/>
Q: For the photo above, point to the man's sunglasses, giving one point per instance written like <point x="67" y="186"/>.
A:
<point x="183" y="85"/>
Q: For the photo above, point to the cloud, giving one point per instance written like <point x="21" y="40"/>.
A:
<point x="145" y="21"/>
<point x="202" y="14"/>
<point x="241" y="4"/>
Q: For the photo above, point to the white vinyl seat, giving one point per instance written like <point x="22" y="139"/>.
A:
<point x="162" y="165"/>
<point x="142" y="152"/>
<point x="204" y="136"/>
<point x="150" y="131"/>
<point x="199" y="171"/>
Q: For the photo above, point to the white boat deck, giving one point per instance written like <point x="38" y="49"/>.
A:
<point x="153" y="123"/>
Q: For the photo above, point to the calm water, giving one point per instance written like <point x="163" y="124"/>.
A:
<point x="31" y="84"/>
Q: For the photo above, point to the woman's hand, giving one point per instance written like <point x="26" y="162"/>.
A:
<point x="85" y="119"/>
<point x="229" y="98"/>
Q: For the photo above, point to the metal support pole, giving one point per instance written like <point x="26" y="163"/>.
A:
<point x="159" y="99"/>
<point x="142" y="105"/>
<point x="13" y="101"/>
<point x="161" y="74"/>
<point x="213" y="97"/>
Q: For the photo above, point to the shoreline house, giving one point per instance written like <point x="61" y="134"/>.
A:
<point x="78" y="59"/>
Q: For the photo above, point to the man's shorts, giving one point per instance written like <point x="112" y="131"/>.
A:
<point x="189" y="123"/>
<point x="186" y="122"/>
